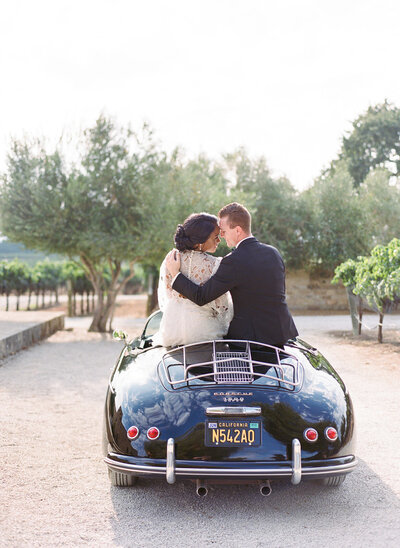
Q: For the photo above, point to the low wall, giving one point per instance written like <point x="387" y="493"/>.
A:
<point x="21" y="331"/>
<point x="304" y="292"/>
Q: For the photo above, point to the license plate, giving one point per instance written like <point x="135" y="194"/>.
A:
<point x="233" y="433"/>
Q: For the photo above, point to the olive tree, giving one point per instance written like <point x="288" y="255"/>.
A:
<point x="14" y="278"/>
<point x="373" y="141"/>
<point x="380" y="196"/>
<point x="375" y="278"/>
<point x="183" y="187"/>
<point x="276" y="209"/>
<point x="92" y="209"/>
<point x="340" y="226"/>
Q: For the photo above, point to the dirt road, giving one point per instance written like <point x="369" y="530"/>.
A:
<point x="55" y="490"/>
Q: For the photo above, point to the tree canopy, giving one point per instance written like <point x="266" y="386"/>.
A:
<point x="340" y="226"/>
<point x="375" y="278"/>
<point x="91" y="211"/>
<point x="380" y="198"/>
<point x="374" y="141"/>
<point x="121" y="201"/>
<point x="277" y="216"/>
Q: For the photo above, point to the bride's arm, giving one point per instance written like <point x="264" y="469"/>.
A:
<point x="165" y="291"/>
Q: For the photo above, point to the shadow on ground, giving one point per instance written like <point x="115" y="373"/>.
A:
<point x="354" y="514"/>
<point x="391" y="339"/>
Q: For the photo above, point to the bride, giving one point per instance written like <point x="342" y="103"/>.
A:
<point x="184" y="322"/>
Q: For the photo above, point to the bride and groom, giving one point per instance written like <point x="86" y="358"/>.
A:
<point x="241" y="296"/>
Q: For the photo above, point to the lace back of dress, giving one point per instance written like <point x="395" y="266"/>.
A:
<point x="184" y="322"/>
<point x="197" y="266"/>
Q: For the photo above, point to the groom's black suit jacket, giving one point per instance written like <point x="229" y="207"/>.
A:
<point x="254" y="273"/>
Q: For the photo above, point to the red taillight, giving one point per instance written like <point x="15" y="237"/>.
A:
<point x="153" y="433"/>
<point x="310" y="434"/>
<point x="133" y="432"/>
<point x="331" y="433"/>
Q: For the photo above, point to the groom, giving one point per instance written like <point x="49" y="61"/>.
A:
<point x="254" y="274"/>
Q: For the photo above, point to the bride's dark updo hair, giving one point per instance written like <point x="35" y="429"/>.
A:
<point x="195" y="230"/>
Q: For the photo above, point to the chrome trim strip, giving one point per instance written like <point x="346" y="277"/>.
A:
<point x="231" y="410"/>
<point x="170" y="468"/>
<point x="296" y="459"/>
<point x="248" y="472"/>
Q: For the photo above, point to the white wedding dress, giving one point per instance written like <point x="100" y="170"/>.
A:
<point x="184" y="322"/>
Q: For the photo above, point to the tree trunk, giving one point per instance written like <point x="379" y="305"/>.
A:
<point x="152" y="299"/>
<point x="104" y="312"/>
<point x="360" y="315"/>
<point x="7" y="295"/>
<point x="100" y="320"/>
<point x="43" y="295"/>
<point x="29" y="300"/>
<point x="87" y="303"/>
<point x="82" y="307"/>
<point x="110" y="326"/>
<point x="98" y="325"/>
<point x="69" y="292"/>
<point x="380" y="337"/>
<point x="352" y="300"/>
<point x="37" y="299"/>
<point x="17" y="307"/>
<point x="56" y="294"/>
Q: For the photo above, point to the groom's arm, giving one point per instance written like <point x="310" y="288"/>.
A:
<point x="222" y="281"/>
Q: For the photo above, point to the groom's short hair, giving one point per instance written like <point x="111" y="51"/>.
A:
<point x="237" y="215"/>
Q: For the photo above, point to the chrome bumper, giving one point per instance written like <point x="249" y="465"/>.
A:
<point x="294" y="470"/>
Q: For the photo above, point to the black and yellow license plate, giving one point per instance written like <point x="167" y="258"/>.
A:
<point x="233" y="433"/>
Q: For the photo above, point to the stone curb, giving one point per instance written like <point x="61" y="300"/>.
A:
<point x="17" y="341"/>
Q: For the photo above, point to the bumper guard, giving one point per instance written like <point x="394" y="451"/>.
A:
<point x="295" y="470"/>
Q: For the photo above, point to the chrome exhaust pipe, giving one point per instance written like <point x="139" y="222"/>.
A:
<point x="201" y="488"/>
<point x="265" y="488"/>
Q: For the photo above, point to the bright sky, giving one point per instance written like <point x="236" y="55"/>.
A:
<point x="284" y="78"/>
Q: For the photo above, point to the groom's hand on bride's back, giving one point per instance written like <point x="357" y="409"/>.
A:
<point x="173" y="262"/>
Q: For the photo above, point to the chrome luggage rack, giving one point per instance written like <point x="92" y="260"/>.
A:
<point x="228" y="366"/>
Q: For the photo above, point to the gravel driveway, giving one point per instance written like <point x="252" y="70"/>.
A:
<point x="55" y="490"/>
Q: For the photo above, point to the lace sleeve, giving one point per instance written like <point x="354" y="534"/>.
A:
<point x="165" y="291"/>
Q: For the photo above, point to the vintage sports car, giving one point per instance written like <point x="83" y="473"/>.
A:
<point x="226" y="411"/>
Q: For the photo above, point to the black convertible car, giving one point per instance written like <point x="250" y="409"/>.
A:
<point x="226" y="411"/>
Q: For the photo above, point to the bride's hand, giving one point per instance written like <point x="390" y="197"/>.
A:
<point x="173" y="262"/>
